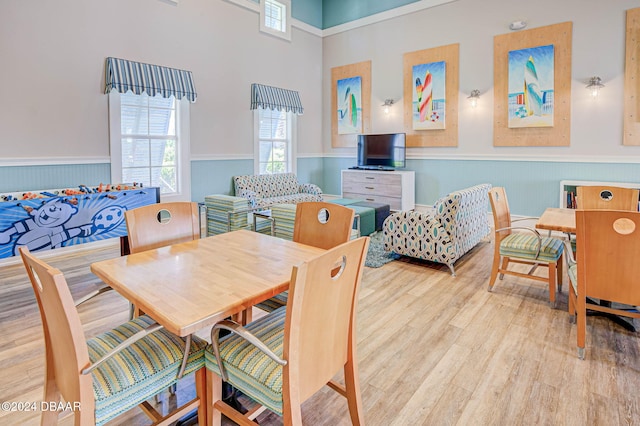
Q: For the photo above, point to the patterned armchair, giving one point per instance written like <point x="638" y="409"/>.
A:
<point x="458" y="222"/>
<point x="263" y="191"/>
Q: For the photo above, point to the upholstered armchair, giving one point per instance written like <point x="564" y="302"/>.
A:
<point x="456" y="224"/>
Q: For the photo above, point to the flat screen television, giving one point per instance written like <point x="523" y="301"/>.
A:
<point x="382" y="151"/>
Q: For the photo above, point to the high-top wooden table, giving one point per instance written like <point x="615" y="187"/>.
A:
<point x="555" y="219"/>
<point x="189" y="286"/>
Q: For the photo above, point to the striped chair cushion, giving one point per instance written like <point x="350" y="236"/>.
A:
<point x="140" y="371"/>
<point x="524" y="246"/>
<point x="248" y="368"/>
<point x="277" y="301"/>
<point x="573" y="276"/>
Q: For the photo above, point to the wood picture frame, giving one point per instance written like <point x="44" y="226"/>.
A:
<point x="631" y="133"/>
<point x="448" y="136"/>
<point x="362" y="70"/>
<point x="560" y="36"/>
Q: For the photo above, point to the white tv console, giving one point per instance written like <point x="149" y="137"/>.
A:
<point x="394" y="187"/>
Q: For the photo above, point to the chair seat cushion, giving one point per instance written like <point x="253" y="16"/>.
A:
<point x="139" y="371"/>
<point x="276" y="302"/>
<point x="248" y="368"/>
<point x="525" y="246"/>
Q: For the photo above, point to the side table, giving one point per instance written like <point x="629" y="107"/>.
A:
<point x="264" y="214"/>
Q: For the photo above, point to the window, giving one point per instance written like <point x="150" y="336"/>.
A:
<point x="274" y="141"/>
<point x="147" y="144"/>
<point x="275" y="18"/>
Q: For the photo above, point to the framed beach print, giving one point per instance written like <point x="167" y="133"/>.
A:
<point x="349" y="108"/>
<point x="431" y="96"/>
<point x="350" y="103"/>
<point x="532" y="87"/>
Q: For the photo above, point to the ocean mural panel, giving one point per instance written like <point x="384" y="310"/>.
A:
<point x="531" y="87"/>
<point x="429" y="101"/>
<point x="349" y="105"/>
<point x="45" y="220"/>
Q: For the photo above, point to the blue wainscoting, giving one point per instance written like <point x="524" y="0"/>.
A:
<point x="531" y="186"/>
<point x="215" y="176"/>
<point x="29" y="178"/>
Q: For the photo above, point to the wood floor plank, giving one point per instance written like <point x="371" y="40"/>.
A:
<point x="433" y="349"/>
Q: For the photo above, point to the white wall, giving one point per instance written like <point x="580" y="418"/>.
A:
<point x="598" y="49"/>
<point x="52" y="56"/>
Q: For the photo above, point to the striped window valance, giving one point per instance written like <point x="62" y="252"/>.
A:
<point x="270" y="97"/>
<point x="123" y="75"/>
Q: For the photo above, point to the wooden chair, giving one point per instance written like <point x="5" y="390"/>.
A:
<point x="607" y="197"/>
<point x="528" y="248"/>
<point x="318" y="224"/>
<point x="283" y="358"/>
<point x="163" y="224"/>
<point x="97" y="375"/>
<point x="608" y="249"/>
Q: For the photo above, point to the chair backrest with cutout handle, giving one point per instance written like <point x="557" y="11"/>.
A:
<point x="321" y="316"/>
<point x="323" y="225"/>
<point x="163" y="224"/>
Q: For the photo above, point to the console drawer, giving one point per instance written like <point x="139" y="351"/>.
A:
<point x="366" y="177"/>
<point x="395" y="203"/>
<point x="373" y="188"/>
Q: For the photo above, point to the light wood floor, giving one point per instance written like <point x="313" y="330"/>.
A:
<point x="433" y="350"/>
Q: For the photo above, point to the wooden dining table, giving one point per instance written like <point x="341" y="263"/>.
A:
<point x="189" y="286"/>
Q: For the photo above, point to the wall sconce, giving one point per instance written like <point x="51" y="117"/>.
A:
<point x="388" y="103"/>
<point x="594" y="86"/>
<point x="473" y="97"/>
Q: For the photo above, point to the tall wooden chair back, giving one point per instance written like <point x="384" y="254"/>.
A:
<point x="320" y="333"/>
<point x="501" y="213"/>
<point x="608" y="252"/>
<point x="163" y="224"/>
<point x="323" y="225"/>
<point x="607" y="197"/>
<point x="316" y="335"/>
<point x="66" y="352"/>
<point x="608" y="249"/>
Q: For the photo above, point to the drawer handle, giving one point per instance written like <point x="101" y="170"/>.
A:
<point x="369" y="177"/>
<point x="370" y="199"/>
<point x="369" y="187"/>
